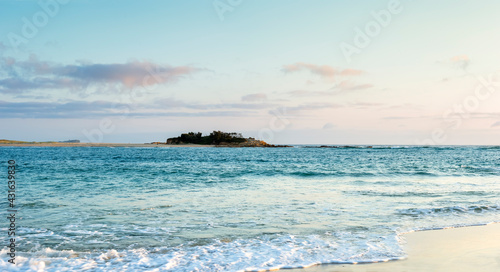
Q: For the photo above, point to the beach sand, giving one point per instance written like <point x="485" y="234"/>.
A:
<point x="456" y="249"/>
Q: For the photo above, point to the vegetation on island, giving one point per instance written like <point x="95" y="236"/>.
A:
<point x="218" y="138"/>
<point x="214" y="138"/>
<point x="8" y="142"/>
<point x="3" y="141"/>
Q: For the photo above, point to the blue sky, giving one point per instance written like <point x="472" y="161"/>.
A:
<point x="296" y="72"/>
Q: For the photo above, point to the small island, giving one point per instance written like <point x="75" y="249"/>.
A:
<point x="219" y="139"/>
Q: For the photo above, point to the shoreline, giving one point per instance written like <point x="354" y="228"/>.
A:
<point x="100" y="145"/>
<point x="124" y="145"/>
<point x="468" y="248"/>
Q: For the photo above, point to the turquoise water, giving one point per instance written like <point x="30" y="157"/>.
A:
<point x="232" y="209"/>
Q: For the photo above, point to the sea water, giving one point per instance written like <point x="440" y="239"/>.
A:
<point x="236" y="209"/>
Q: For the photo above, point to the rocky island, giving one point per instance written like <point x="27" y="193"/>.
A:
<point x="219" y="139"/>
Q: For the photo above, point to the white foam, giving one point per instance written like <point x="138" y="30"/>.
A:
<point x="263" y="254"/>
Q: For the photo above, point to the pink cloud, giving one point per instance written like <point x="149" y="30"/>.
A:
<point x="460" y="61"/>
<point x="130" y="74"/>
<point x="324" y="71"/>
<point x="351" y="72"/>
<point x="31" y="74"/>
<point x="460" y="58"/>
<point x="254" y="97"/>
<point x="347" y="85"/>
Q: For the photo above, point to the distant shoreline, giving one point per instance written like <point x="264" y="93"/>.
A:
<point x="57" y="144"/>
<point x="99" y="145"/>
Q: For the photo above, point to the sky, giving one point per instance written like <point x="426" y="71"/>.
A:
<point x="383" y="72"/>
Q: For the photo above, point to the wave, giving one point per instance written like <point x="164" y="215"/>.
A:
<point x="361" y="146"/>
<point x="323" y="263"/>
<point x="480" y="169"/>
<point x="449" y="227"/>
<point x="392" y="194"/>
<point x="264" y="253"/>
<point x="444" y="147"/>
<point x="414" y="212"/>
<point x="41" y="205"/>
<point x="493" y="147"/>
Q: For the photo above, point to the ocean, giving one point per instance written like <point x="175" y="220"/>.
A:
<point x="237" y="209"/>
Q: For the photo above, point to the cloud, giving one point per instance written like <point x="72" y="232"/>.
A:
<point x="311" y="107"/>
<point x="365" y="105"/>
<point x="342" y="87"/>
<point x="130" y="74"/>
<point x="167" y="103"/>
<point x="302" y="93"/>
<point x="454" y="115"/>
<point x="402" y="117"/>
<point x="33" y="74"/>
<point x="19" y="85"/>
<point x="460" y="61"/>
<point x="254" y="97"/>
<point x="351" y="72"/>
<point x="347" y="85"/>
<point x="229" y="106"/>
<point x="406" y="106"/>
<point x="72" y="109"/>
<point x="328" y="126"/>
<point x="324" y="71"/>
<point x="99" y="109"/>
<point x="484" y="115"/>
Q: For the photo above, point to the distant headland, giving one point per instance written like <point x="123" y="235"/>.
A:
<point x="190" y="139"/>
<point x="219" y="139"/>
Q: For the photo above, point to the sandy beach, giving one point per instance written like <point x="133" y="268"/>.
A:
<point x="456" y="249"/>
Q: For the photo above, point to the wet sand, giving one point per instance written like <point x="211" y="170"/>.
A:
<point x="456" y="249"/>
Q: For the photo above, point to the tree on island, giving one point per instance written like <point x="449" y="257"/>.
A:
<point x="220" y="139"/>
<point x="215" y="138"/>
